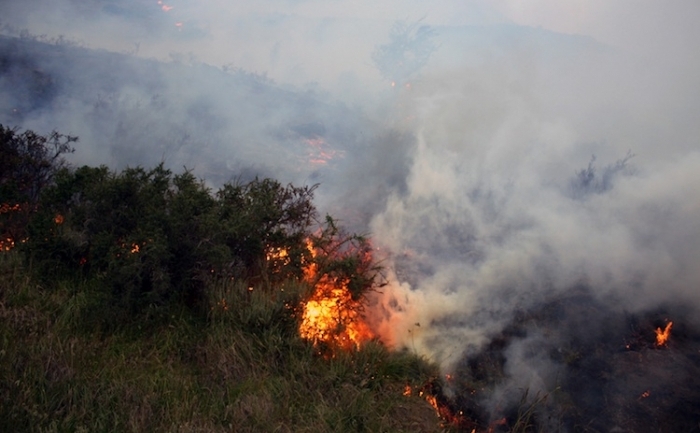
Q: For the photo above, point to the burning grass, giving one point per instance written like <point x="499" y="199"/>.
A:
<point x="599" y="370"/>
<point x="68" y="365"/>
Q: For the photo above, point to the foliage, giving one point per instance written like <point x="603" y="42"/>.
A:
<point x="155" y="237"/>
<point x="28" y="163"/>
<point x="588" y="181"/>
<point x="408" y="51"/>
<point x="141" y="300"/>
<point x="244" y="369"/>
<point x="346" y="258"/>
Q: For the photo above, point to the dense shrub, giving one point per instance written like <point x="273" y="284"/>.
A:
<point x="28" y="163"/>
<point x="155" y="237"/>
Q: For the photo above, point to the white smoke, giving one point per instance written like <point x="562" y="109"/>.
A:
<point x="502" y="209"/>
<point x="477" y="179"/>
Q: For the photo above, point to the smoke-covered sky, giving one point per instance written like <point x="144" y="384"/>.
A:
<point x="320" y="40"/>
<point x="541" y="146"/>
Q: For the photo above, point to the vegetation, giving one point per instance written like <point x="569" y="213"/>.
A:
<point x="142" y="301"/>
<point x="408" y="51"/>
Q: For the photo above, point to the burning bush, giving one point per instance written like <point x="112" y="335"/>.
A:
<point x="28" y="164"/>
<point x="341" y="272"/>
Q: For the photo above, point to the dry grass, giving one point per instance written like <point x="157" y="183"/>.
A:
<point x="241" y="369"/>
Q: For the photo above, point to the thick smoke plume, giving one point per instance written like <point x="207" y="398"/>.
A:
<point x="531" y="182"/>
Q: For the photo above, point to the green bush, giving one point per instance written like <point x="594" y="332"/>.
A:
<point x="28" y="163"/>
<point x="155" y="237"/>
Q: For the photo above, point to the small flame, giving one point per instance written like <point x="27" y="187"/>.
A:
<point x="443" y="411"/>
<point x="663" y="336"/>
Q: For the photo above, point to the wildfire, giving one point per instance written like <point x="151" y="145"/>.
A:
<point x="331" y="316"/>
<point x="321" y="152"/>
<point x="278" y="255"/>
<point x="443" y="411"/>
<point x="662" y="336"/>
<point x="7" y="242"/>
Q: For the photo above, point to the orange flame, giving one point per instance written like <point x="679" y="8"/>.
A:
<point x="331" y="316"/>
<point x="444" y="412"/>
<point x="663" y="336"/>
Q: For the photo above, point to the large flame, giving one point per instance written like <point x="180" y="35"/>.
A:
<point x="331" y="316"/>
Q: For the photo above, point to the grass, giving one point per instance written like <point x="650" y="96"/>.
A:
<point x="69" y="364"/>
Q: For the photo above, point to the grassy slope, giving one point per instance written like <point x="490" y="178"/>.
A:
<point x="64" y="367"/>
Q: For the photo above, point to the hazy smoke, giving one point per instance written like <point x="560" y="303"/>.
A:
<point x="504" y="207"/>
<point x="537" y="154"/>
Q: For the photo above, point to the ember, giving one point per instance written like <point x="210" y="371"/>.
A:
<point x="7" y="241"/>
<point x="7" y="244"/>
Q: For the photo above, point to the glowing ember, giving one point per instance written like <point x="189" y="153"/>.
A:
<point x="407" y="391"/>
<point x="278" y="256"/>
<point x="58" y="219"/>
<point x="7" y="244"/>
<point x="5" y="208"/>
<point x="663" y="336"/>
<point x="331" y="316"/>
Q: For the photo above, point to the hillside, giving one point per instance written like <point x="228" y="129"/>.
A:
<point x="142" y="301"/>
